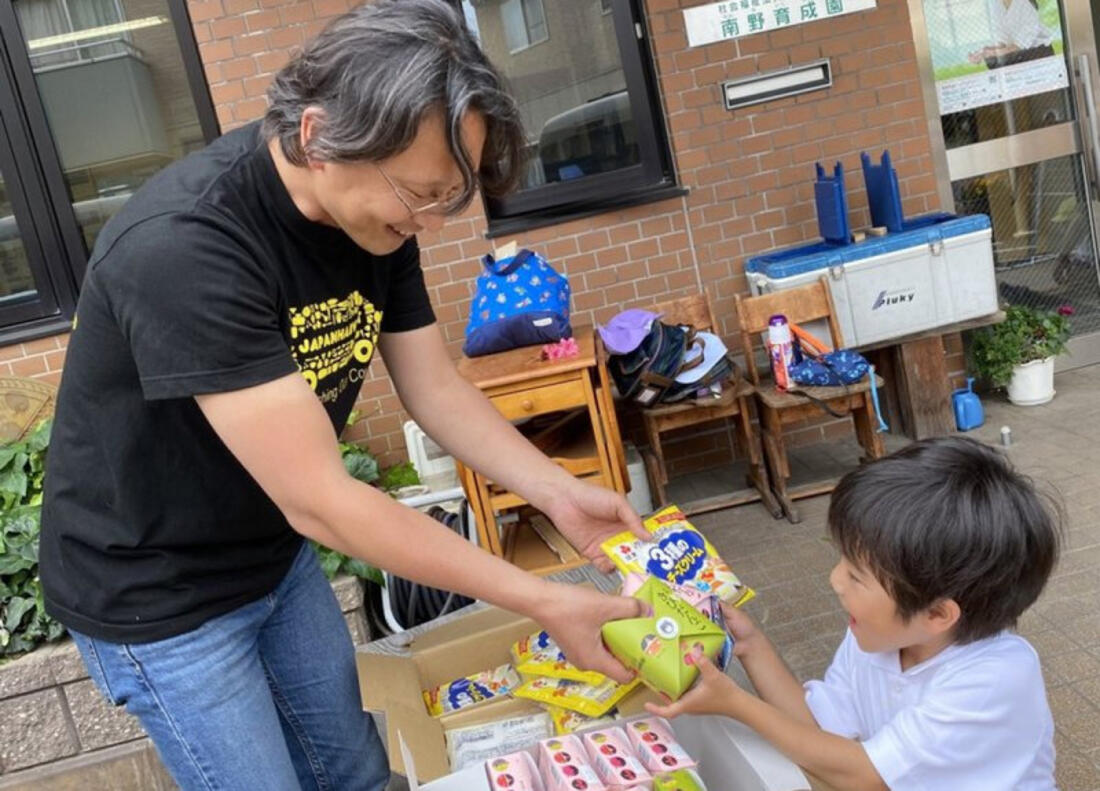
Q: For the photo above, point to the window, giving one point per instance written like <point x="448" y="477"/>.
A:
<point x="595" y="137"/>
<point x="524" y="23"/>
<point x="95" y="97"/>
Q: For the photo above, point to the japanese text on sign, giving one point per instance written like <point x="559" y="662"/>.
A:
<point x="735" y="18"/>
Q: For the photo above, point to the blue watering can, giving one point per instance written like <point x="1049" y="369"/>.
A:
<point x="968" y="407"/>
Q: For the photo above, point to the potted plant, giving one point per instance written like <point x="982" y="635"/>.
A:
<point x="1019" y="352"/>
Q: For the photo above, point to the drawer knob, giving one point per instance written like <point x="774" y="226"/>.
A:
<point x="527" y="405"/>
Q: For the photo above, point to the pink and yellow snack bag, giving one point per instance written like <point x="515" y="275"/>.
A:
<point x="658" y="749"/>
<point x="514" y="772"/>
<point x="615" y="761"/>
<point x="565" y="766"/>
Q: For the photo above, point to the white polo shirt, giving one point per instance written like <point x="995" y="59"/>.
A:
<point x="972" y="718"/>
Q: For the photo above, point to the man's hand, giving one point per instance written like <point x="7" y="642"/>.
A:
<point x="573" y="615"/>
<point x="588" y="515"/>
<point x="713" y="693"/>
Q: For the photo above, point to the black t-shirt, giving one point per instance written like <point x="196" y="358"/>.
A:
<point x="208" y="280"/>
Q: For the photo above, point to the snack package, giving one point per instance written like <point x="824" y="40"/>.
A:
<point x="654" y="743"/>
<point x="656" y="645"/>
<point x="471" y="690"/>
<point x="525" y="648"/>
<point x="678" y="554"/>
<point x="591" y="701"/>
<point x="565" y="766"/>
<point x="680" y="780"/>
<point x="706" y="603"/>
<point x="611" y="754"/>
<point x="516" y="772"/>
<point x="539" y="655"/>
<point x="567" y="720"/>
<point x="477" y="743"/>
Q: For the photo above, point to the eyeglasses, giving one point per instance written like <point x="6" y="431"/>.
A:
<point x="451" y="203"/>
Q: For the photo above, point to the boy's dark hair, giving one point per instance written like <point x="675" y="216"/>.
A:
<point x="949" y="518"/>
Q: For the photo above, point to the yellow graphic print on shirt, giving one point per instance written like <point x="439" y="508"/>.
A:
<point x="326" y="336"/>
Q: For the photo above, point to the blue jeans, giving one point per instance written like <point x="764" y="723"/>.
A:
<point x="264" y="697"/>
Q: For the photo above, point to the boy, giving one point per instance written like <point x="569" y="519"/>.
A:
<point x="943" y="545"/>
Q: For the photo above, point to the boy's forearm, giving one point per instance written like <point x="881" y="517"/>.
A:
<point x="774" y="682"/>
<point x="843" y="763"/>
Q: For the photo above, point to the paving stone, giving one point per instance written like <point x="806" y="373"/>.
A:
<point x="66" y="663"/>
<point x="25" y="674"/>
<point x="98" y="722"/>
<point x="349" y="592"/>
<point x="35" y="729"/>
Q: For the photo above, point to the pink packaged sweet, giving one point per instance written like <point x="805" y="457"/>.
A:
<point x="615" y="761"/>
<point x="654" y="743"/>
<point x="565" y="766"/>
<point x="514" y="772"/>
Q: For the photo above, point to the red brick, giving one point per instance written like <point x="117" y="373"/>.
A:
<point x="296" y="13"/>
<point x="251" y="44"/>
<point x="269" y="62"/>
<point x="249" y="109"/>
<point x="287" y="37"/>
<point x="202" y="10"/>
<point x="228" y="27"/>
<point x="214" y="51"/>
<point x="238" y="68"/>
<point x="29" y="366"/>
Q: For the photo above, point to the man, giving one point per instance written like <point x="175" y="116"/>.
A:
<point x="229" y="313"/>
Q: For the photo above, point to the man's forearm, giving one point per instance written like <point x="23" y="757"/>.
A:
<point x="774" y="682"/>
<point x="843" y="763"/>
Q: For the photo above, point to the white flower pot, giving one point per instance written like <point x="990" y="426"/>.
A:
<point x="1032" y="383"/>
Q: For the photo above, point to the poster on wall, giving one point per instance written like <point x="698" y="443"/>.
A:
<point x="736" y="18"/>
<point x="990" y="51"/>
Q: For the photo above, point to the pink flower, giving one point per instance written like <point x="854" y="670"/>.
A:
<point x="1066" y="310"/>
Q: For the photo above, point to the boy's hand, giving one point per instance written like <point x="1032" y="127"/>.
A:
<point x="743" y="629"/>
<point x="713" y="693"/>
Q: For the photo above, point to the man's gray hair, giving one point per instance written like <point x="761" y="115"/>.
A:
<point x="376" y="72"/>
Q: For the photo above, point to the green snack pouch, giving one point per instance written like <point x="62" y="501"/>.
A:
<point x="680" y="780"/>
<point x="656" y="646"/>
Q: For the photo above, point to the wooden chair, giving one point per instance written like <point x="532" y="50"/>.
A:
<point x="779" y="409"/>
<point x="734" y="403"/>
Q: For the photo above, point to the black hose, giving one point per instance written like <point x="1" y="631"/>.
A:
<point x="412" y="603"/>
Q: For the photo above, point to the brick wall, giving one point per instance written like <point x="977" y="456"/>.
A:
<point x="749" y="171"/>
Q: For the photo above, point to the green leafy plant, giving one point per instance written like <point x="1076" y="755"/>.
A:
<point x="1024" y="336"/>
<point x="403" y="474"/>
<point x="24" y="623"/>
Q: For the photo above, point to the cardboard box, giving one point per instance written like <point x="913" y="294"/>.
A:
<point x="480" y="641"/>
<point x="732" y="757"/>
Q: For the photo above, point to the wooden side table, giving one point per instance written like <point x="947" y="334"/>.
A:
<point x="520" y="384"/>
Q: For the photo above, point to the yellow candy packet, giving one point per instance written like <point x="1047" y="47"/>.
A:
<point x="591" y="701"/>
<point x="567" y="721"/>
<point x="470" y="690"/>
<point x="678" y="554"/>
<point x="539" y="655"/>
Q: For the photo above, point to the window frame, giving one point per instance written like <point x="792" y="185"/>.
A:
<point x="653" y="178"/>
<point x="59" y="252"/>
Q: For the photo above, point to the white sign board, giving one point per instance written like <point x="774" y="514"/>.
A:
<point x="736" y="18"/>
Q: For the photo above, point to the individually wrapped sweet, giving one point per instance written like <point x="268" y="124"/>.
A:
<point x="539" y="655"/>
<point x="706" y="603"/>
<point x="475" y="744"/>
<point x="610" y="752"/>
<point x="592" y="701"/>
<point x="654" y="743"/>
<point x="678" y="554"/>
<point x="680" y="780"/>
<point x="514" y="772"/>
<point x="568" y="721"/>
<point x="565" y="766"/>
<point x="471" y="690"/>
<point x="661" y="646"/>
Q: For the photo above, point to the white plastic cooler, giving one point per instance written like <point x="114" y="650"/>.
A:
<point x="937" y="271"/>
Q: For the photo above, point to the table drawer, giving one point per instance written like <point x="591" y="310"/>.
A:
<point x="539" y="401"/>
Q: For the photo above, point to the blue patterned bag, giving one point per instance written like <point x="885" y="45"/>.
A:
<point x="842" y="367"/>
<point x="518" y="301"/>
